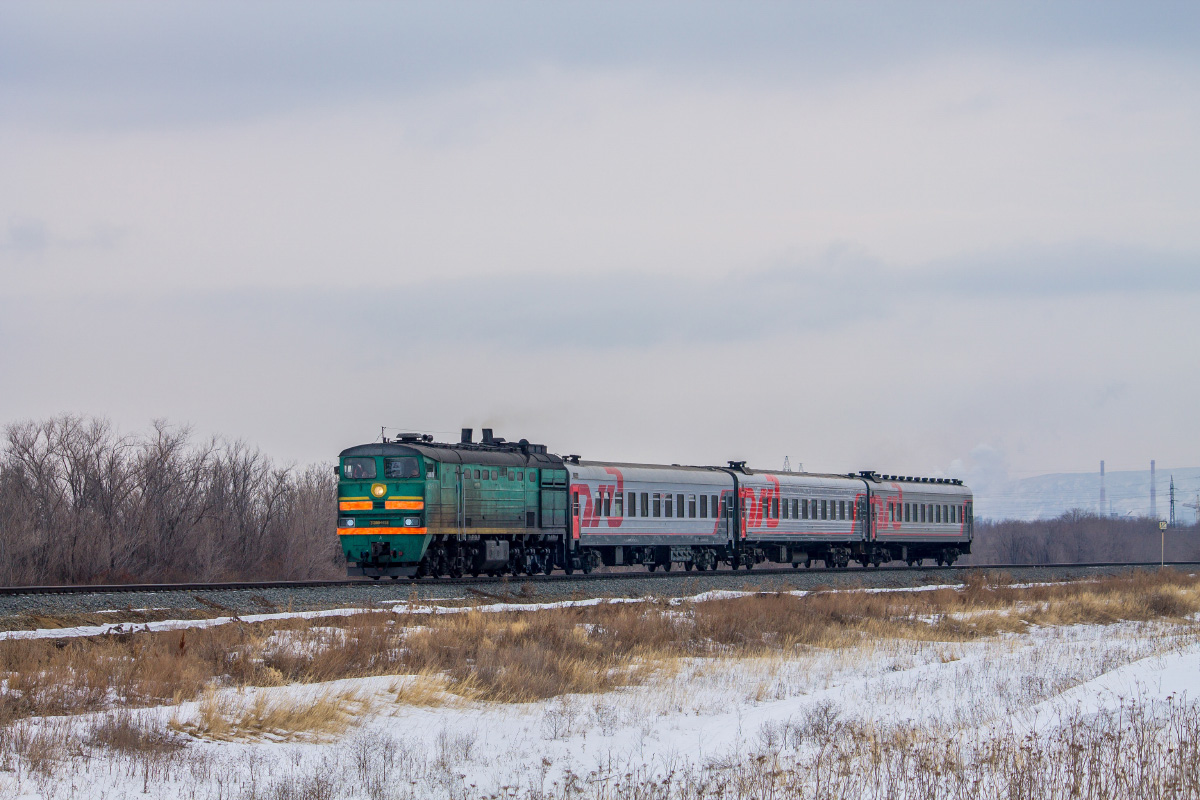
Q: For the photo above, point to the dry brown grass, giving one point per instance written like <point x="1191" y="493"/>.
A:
<point x="528" y="655"/>
<point x="222" y="718"/>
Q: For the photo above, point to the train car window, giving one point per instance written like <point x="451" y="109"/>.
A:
<point x="400" y="468"/>
<point x="692" y="506"/>
<point x="495" y="475"/>
<point x="906" y="515"/>
<point x="608" y="498"/>
<point x="631" y="505"/>
<point x="645" y="505"/>
<point x="703" y="506"/>
<point x="575" y="503"/>
<point x="786" y="509"/>
<point x="619" y="504"/>
<point x="841" y="509"/>
<point x="823" y="509"/>
<point x="658" y="505"/>
<point x="359" y="469"/>
<point x="679" y="506"/>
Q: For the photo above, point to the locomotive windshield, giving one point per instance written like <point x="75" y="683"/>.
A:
<point x="359" y="469"/>
<point x="400" y="468"/>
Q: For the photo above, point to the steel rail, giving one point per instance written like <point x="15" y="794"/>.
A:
<point x="134" y="588"/>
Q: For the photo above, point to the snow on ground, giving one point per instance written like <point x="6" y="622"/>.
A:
<point x="704" y="709"/>
<point x="693" y="712"/>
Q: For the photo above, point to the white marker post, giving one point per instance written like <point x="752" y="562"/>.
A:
<point x="1162" y="544"/>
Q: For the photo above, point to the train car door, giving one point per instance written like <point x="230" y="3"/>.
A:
<point x="866" y="529"/>
<point x="460" y="500"/>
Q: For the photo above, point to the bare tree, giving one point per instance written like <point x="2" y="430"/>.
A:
<point x="81" y="503"/>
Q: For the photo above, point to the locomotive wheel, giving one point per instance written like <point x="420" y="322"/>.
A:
<point x="587" y="567"/>
<point x="808" y="563"/>
<point x="687" y="565"/>
<point x="374" y="577"/>
<point x="795" y="565"/>
<point x="569" y="569"/>
<point x="652" y="566"/>
<point x="395" y="577"/>
<point x="474" y="573"/>
<point x="667" y="567"/>
<point x="712" y="563"/>
<point x="548" y="567"/>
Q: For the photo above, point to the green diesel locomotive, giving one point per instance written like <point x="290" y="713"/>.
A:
<point x="413" y="507"/>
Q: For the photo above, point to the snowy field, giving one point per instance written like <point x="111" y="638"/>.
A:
<point x="899" y="716"/>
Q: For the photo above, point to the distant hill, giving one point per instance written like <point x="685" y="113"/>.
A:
<point x="1127" y="495"/>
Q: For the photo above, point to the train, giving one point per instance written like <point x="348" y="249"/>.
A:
<point x="413" y="507"/>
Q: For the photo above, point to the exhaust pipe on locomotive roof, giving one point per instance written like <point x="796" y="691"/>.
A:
<point x="487" y="435"/>
<point x="467" y="435"/>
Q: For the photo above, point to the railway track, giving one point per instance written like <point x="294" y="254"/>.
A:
<point x="258" y="586"/>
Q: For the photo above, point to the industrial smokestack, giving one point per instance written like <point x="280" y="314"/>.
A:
<point x="1153" y="494"/>
<point x="1103" y="507"/>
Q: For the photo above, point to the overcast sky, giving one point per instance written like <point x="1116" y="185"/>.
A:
<point x="921" y="238"/>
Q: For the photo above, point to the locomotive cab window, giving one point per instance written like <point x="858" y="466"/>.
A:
<point x="401" y="468"/>
<point x="359" y="469"/>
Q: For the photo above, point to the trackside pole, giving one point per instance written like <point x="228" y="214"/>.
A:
<point x="1162" y="544"/>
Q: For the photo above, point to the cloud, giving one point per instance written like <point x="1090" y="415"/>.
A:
<point x="1067" y="270"/>
<point x="33" y="237"/>
<point x="133" y="64"/>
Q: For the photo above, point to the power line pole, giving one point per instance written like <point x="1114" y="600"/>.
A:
<point x="1172" y="522"/>
<point x="1102" y="511"/>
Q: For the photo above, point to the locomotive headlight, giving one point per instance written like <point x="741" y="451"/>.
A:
<point x="346" y="522"/>
<point x="411" y="522"/>
<point x="378" y="489"/>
